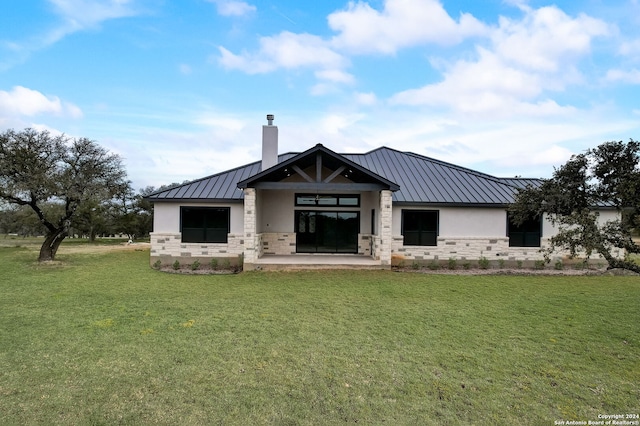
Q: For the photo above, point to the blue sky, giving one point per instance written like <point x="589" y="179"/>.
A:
<point x="180" y="89"/>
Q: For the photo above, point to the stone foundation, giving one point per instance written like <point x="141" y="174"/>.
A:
<point x="168" y="247"/>
<point x="472" y="249"/>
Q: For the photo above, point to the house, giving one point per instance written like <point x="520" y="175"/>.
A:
<point x="384" y="205"/>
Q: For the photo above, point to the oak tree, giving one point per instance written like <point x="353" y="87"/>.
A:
<point x="55" y="176"/>
<point x="605" y="177"/>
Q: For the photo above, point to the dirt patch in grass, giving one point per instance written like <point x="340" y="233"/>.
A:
<point x="103" y="248"/>
<point x="71" y="245"/>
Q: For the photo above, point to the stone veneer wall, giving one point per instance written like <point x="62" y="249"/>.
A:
<point x="375" y="247"/>
<point x="384" y="244"/>
<point x="285" y="243"/>
<point x="168" y="247"/>
<point x="365" y="244"/>
<point x="252" y="241"/>
<point x="278" y="243"/>
<point x="466" y="248"/>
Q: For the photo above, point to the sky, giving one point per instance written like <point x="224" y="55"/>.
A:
<point x="181" y="89"/>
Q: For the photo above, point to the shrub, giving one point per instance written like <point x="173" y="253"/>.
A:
<point x="226" y="264"/>
<point x="433" y="265"/>
<point x="157" y="264"/>
<point x="415" y="265"/>
<point x="501" y="263"/>
<point x="538" y="264"/>
<point x="466" y="265"/>
<point x="452" y="263"/>
<point x="176" y="265"/>
<point x="195" y="265"/>
<point x="483" y="263"/>
<point x="558" y="265"/>
<point x="214" y="263"/>
<point x="519" y="264"/>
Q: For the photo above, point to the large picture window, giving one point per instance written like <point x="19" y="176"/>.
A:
<point x="420" y="227"/>
<point x="204" y="224"/>
<point x="525" y="235"/>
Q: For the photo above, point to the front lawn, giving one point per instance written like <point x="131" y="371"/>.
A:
<point x="101" y="338"/>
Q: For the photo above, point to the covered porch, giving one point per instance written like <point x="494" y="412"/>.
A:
<point x="317" y="209"/>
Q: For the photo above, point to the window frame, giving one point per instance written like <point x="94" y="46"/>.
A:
<point x="422" y="230"/>
<point x="226" y="211"/>
<point x="328" y="197"/>
<point x="526" y="230"/>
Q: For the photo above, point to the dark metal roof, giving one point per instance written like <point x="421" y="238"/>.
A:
<point x="421" y="180"/>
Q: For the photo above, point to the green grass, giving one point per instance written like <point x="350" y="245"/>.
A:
<point x="104" y="339"/>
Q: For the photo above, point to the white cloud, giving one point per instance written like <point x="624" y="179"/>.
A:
<point x="630" y="48"/>
<point x="486" y="87"/>
<point x="630" y="76"/>
<point x="546" y="38"/>
<point x="217" y="122"/>
<point x="21" y="101"/>
<point x="361" y="29"/>
<point x="233" y="8"/>
<point x="552" y="155"/>
<point x="525" y="60"/>
<point x="400" y="24"/>
<point x="76" y="15"/>
<point x="87" y="13"/>
<point x="285" y="50"/>
<point x="336" y="123"/>
<point x="366" y="98"/>
<point x="337" y="76"/>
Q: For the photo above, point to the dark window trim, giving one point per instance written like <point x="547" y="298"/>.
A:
<point x="227" y="210"/>
<point x="537" y="235"/>
<point x="402" y="224"/>
<point x="373" y="221"/>
<point x="336" y="196"/>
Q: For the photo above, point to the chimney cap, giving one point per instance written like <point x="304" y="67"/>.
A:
<point x="270" y="118"/>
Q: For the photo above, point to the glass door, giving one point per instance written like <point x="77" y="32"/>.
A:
<point x="327" y="231"/>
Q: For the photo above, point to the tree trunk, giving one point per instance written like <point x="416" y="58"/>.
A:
<point x="51" y="243"/>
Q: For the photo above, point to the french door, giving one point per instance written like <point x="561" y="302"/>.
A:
<point x="327" y="231"/>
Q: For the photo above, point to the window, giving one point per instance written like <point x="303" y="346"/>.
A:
<point x="525" y="235"/>
<point x="420" y="227"/>
<point x="204" y="224"/>
<point x="325" y="200"/>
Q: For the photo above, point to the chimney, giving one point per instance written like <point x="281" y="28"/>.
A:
<point x="269" y="144"/>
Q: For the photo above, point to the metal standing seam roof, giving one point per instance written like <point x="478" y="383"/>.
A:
<point x="422" y="180"/>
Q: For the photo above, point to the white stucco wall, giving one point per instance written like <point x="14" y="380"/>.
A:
<point x="275" y="211"/>
<point x="548" y="229"/>
<point x="461" y="221"/>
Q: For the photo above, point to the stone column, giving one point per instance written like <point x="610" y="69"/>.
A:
<point x="250" y="250"/>
<point x="385" y="227"/>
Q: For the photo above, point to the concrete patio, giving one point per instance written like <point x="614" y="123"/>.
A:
<point x="271" y="262"/>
